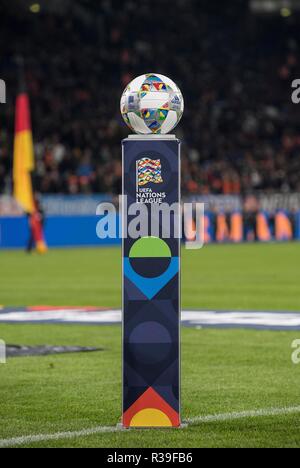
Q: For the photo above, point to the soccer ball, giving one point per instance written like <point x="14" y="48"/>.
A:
<point x="152" y="104"/>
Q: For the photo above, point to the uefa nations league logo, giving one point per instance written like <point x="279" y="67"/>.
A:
<point x="2" y="92"/>
<point x="149" y="171"/>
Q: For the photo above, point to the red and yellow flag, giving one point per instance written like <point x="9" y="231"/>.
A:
<point x="23" y="167"/>
<point x="23" y="155"/>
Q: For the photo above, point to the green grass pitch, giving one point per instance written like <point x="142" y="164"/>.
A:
<point x="223" y="371"/>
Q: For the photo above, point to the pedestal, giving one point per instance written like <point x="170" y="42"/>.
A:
<point x="151" y="282"/>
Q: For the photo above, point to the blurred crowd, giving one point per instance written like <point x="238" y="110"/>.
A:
<point x="240" y="129"/>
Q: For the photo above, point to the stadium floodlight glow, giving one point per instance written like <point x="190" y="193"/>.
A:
<point x="35" y="8"/>
<point x="151" y="106"/>
<point x="286" y="12"/>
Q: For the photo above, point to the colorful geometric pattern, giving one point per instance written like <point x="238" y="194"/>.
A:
<point x="154" y="118"/>
<point x="149" y="170"/>
<point x="152" y="103"/>
<point x="151" y="310"/>
<point x="154" y="83"/>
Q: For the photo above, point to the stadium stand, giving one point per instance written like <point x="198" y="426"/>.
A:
<point x="240" y="128"/>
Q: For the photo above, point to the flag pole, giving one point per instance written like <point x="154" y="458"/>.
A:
<point x="24" y="163"/>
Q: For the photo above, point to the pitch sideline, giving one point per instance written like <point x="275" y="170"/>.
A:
<point x="109" y="429"/>
<point x="259" y="320"/>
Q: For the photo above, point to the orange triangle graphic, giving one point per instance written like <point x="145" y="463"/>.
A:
<point x="150" y="410"/>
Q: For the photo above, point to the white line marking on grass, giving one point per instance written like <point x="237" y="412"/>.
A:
<point x="219" y="319"/>
<point x="243" y="414"/>
<point x="23" y="440"/>
<point x="59" y="435"/>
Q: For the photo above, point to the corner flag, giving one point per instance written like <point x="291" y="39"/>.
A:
<point x="23" y="155"/>
<point x="23" y="165"/>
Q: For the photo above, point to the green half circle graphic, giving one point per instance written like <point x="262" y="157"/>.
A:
<point x="148" y="247"/>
